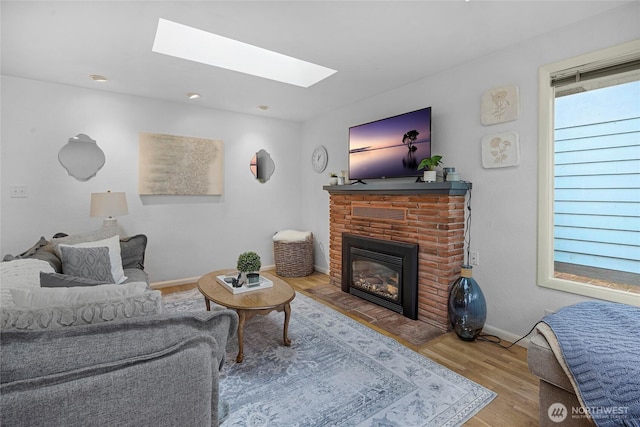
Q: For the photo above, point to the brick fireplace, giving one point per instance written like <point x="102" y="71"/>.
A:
<point x="431" y="215"/>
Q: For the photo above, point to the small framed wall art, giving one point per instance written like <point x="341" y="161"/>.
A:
<point x="501" y="150"/>
<point x="500" y="105"/>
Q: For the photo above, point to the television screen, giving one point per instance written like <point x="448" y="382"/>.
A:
<point x="391" y="147"/>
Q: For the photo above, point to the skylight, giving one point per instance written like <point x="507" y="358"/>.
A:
<point x="190" y="43"/>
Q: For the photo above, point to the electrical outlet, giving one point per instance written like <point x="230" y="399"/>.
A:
<point x="18" y="191"/>
<point x="474" y="258"/>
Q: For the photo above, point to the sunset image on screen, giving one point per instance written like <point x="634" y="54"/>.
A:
<point x="391" y="147"/>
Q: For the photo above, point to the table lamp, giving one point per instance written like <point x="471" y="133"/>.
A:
<point x="108" y="205"/>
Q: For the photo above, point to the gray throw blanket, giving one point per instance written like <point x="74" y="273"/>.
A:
<point x="600" y="342"/>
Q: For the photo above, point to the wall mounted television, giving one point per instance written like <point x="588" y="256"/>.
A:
<point x="391" y="147"/>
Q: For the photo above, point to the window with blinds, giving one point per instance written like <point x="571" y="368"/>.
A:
<point x="590" y="191"/>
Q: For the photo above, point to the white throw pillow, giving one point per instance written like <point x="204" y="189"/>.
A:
<point x="291" y="236"/>
<point x="66" y="297"/>
<point x="20" y="274"/>
<point x="113" y="243"/>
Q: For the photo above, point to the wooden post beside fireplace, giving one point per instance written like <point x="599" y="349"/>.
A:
<point x="430" y="215"/>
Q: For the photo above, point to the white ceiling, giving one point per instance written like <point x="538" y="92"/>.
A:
<point x="376" y="46"/>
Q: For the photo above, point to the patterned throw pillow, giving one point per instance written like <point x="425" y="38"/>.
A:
<point x="113" y="243"/>
<point x="89" y="263"/>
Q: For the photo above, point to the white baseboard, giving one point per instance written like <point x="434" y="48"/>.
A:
<point x="487" y="329"/>
<point x="175" y="282"/>
<point x="188" y="280"/>
<point x="507" y="336"/>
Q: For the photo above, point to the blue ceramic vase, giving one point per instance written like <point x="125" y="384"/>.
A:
<point x="467" y="306"/>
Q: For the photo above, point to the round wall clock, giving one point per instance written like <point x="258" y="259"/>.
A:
<point x="319" y="158"/>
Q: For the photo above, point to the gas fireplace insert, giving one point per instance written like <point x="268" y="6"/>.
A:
<point x="384" y="272"/>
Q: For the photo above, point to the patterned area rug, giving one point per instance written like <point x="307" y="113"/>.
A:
<point x="337" y="372"/>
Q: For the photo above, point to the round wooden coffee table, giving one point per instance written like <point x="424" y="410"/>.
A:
<point x="249" y="304"/>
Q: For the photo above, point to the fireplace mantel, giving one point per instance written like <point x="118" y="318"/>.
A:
<point x="453" y="188"/>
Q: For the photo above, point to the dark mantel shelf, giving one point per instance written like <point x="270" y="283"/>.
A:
<point x="453" y="188"/>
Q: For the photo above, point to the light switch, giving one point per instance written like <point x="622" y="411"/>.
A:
<point x="18" y="191"/>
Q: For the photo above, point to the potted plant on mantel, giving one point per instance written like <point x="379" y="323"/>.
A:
<point x="248" y="265"/>
<point x="333" y="178"/>
<point x="429" y="165"/>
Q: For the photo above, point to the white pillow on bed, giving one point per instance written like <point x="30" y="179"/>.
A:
<point x="66" y="297"/>
<point x="113" y="243"/>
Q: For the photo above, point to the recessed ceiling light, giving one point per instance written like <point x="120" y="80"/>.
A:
<point x="263" y="107"/>
<point x="189" y="43"/>
<point x="193" y="95"/>
<point x="99" y="78"/>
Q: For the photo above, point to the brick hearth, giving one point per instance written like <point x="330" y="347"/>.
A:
<point x="433" y="221"/>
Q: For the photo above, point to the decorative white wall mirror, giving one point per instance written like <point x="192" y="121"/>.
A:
<point x="81" y="157"/>
<point x="262" y="166"/>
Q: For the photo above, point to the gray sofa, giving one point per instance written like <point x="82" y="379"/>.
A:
<point x="159" y="370"/>
<point x="112" y="362"/>
<point x="132" y="251"/>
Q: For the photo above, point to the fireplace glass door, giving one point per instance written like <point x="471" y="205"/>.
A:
<point x="377" y="274"/>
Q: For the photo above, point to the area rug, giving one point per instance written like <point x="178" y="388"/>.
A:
<point x="337" y="372"/>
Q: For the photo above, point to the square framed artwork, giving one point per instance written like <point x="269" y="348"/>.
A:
<point x="499" y="105"/>
<point x="501" y="150"/>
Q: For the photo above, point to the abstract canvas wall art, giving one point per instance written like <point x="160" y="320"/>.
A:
<point x="180" y="165"/>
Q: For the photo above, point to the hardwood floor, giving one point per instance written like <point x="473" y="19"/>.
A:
<point x="502" y="370"/>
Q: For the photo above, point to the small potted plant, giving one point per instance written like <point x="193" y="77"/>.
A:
<point x="333" y="178"/>
<point x="429" y="165"/>
<point x="248" y="265"/>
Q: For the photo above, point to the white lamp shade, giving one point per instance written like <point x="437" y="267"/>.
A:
<point x="107" y="205"/>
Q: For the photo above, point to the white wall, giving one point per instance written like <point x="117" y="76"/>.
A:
<point x="188" y="235"/>
<point x="504" y="201"/>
